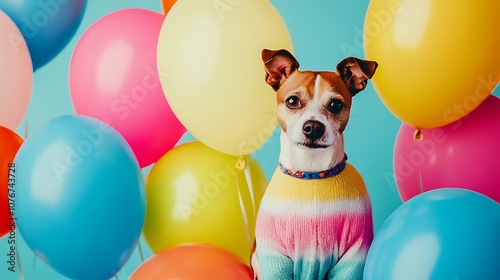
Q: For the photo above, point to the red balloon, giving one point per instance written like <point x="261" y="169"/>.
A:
<point x="193" y="262"/>
<point x="464" y="154"/>
<point x="10" y="143"/>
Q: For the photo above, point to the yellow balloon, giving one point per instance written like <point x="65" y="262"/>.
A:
<point x="209" y="60"/>
<point x="438" y="60"/>
<point x="193" y="195"/>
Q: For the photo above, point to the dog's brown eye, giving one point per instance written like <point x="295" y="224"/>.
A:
<point x="293" y="102"/>
<point x="335" y="106"/>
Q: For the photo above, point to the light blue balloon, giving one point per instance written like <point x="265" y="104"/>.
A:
<point x="46" y="25"/>
<point x="80" y="197"/>
<point x="441" y="234"/>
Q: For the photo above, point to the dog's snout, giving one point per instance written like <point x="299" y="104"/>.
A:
<point x="313" y="129"/>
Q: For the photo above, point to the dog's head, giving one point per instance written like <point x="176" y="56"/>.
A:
<point x="314" y="107"/>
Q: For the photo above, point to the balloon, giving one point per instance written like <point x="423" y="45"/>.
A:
<point x="193" y="195"/>
<point x="47" y="26"/>
<point x="193" y="262"/>
<point x="210" y="52"/>
<point x="166" y="5"/>
<point x="438" y="59"/>
<point x="9" y="144"/>
<point x="440" y="234"/>
<point x="114" y="78"/>
<point x="464" y="154"/>
<point x="80" y="201"/>
<point x="16" y="74"/>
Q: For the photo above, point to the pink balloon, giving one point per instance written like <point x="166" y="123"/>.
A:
<point x="464" y="154"/>
<point x="16" y="74"/>
<point x="114" y="77"/>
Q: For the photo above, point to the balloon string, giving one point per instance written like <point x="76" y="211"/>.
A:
<point x="34" y="262"/>
<point x="26" y="128"/>
<point x="421" y="180"/>
<point x="248" y="177"/>
<point x="21" y="274"/>
<point x="243" y="212"/>
<point x="139" y="247"/>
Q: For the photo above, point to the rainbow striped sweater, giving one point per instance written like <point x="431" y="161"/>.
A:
<point x="314" y="229"/>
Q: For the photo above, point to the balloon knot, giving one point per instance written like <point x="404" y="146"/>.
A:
<point x="418" y="135"/>
<point x="240" y="163"/>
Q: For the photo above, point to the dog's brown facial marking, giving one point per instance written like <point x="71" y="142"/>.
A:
<point x="325" y="89"/>
<point x="292" y="97"/>
<point x="337" y="99"/>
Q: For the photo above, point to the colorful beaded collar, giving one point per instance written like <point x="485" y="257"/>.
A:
<point x="305" y="175"/>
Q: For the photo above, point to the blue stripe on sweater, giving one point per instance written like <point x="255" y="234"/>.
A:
<point x="280" y="267"/>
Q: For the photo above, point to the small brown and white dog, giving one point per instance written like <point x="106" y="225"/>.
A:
<point x="315" y="219"/>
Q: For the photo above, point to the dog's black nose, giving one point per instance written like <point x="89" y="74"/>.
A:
<point x="313" y="129"/>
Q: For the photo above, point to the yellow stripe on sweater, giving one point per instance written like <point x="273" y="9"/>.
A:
<point x="347" y="185"/>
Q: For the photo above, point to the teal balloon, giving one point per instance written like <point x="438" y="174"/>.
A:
<point x="46" y="25"/>
<point x="441" y="234"/>
<point x="80" y="197"/>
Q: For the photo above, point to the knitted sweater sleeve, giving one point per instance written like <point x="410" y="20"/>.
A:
<point x="314" y="229"/>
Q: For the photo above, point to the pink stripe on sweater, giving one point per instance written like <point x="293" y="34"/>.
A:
<point x="330" y="234"/>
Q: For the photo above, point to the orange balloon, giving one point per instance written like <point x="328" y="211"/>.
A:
<point x="9" y="144"/>
<point x="193" y="262"/>
<point x="167" y="4"/>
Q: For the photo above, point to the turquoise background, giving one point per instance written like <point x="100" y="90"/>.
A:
<point x="323" y="33"/>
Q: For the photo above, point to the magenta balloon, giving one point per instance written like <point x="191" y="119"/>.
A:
<point x="114" y="78"/>
<point x="464" y="154"/>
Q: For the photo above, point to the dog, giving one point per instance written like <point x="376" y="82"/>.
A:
<point x="315" y="219"/>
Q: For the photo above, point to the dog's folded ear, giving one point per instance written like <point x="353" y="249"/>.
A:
<point x="355" y="72"/>
<point x="278" y="65"/>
